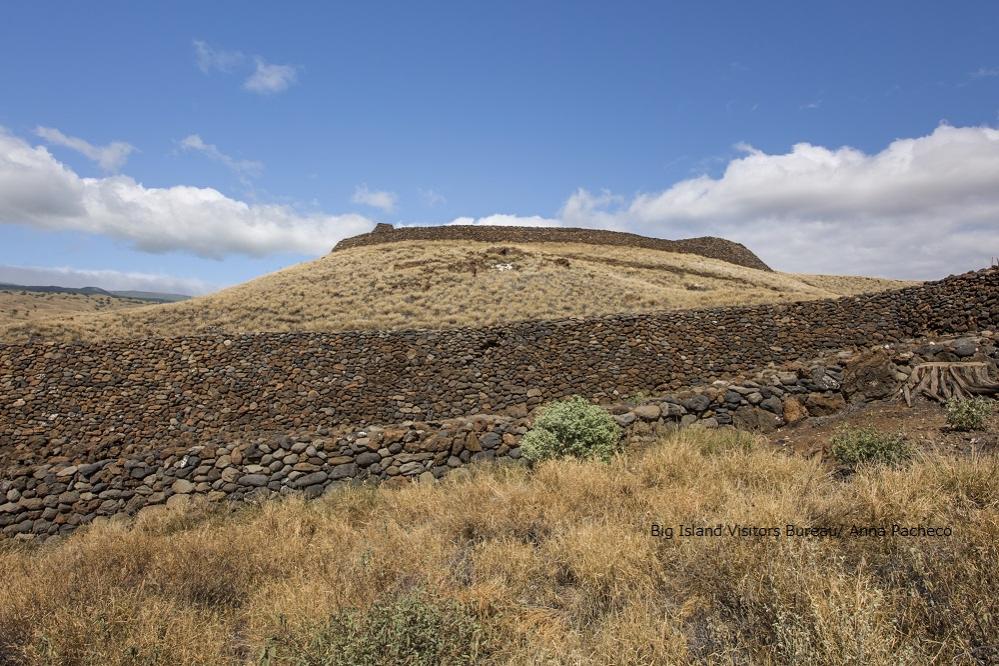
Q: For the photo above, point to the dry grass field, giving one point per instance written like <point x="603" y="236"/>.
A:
<point x="554" y="565"/>
<point x="450" y="284"/>
<point x="19" y="306"/>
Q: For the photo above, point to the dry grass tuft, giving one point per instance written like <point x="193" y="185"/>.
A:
<point x="452" y="284"/>
<point x="553" y="566"/>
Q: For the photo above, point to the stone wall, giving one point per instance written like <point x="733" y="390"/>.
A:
<point x="707" y="246"/>
<point x="54" y="496"/>
<point x="120" y="398"/>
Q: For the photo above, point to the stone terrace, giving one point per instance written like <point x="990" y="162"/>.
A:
<point x="706" y="246"/>
<point x="163" y="393"/>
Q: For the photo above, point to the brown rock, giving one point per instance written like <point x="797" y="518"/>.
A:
<point x="472" y="443"/>
<point x="392" y="435"/>
<point x="517" y="411"/>
<point x="647" y="412"/>
<point x="754" y="418"/>
<point x="823" y="405"/>
<point x="794" y="411"/>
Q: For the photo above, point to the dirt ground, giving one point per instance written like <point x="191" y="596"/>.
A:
<point x="924" y="426"/>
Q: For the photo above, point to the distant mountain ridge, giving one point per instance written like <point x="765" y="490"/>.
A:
<point x="153" y="296"/>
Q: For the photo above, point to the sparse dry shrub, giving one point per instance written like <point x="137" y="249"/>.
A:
<point x="860" y="446"/>
<point x="413" y="628"/>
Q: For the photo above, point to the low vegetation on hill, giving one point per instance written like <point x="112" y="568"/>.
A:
<point x="18" y="306"/>
<point x="560" y="564"/>
<point x="450" y="284"/>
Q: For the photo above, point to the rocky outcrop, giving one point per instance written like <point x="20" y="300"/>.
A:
<point x="871" y="377"/>
<point x="706" y="246"/>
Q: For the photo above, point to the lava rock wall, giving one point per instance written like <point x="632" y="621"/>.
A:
<point x="706" y="246"/>
<point x="165" y="393"/>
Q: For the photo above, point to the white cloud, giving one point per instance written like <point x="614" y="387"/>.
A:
<point x="431" y="197"/>
<point x="39" y="191"/>
<point x="211" y="59"/>
<point x="245" y="169"/>
<point x="920" y="208"/>
<point x="111" y="280"/>
<point x="268" y="79"/>
<point x="265" y="79"/>
<point x="385" y="201"/>
<point x="502" y="220"/>
<point x="110" y="157"/>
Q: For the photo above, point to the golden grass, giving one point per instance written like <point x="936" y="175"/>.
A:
<point x="555" y="565"/>
<point x="450" y="284"/>
<point x="19" y="306"/>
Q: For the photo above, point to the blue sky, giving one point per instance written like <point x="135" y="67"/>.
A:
<point x="186" y="146"/>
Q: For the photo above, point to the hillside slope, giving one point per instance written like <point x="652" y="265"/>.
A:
<point x="436" y="284"/>
<point x="19" y="305"/>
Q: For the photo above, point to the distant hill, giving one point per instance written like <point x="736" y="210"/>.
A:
<point x="155" y="296"/>
<point x="152" y="296"/>
<point x="409" y="284"/>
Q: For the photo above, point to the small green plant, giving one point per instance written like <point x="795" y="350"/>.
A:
<point x="968" y="414"/>
<point x="636" y="398"/>
<point x="855" y="446"/>
<point x="415" y="628"/>
<point x="572" y="427"/>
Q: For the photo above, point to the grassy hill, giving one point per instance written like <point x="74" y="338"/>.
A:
<point x="438" y="284"/>
<point x="19" y="305"/>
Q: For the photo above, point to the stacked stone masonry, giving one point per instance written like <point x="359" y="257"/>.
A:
<point x="163" y="393"/>
<point x="707" y="246"/>
<point x="53" y="496"/>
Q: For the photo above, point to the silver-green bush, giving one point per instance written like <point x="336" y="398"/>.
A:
<point x="968" y="414"/>
<point x="574" y="428"/>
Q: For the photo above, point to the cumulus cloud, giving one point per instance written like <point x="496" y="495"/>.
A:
<point x="245" y="169"/>
<point x="109" y="158"/>
<point x="385" y="201"/>
<point x="210" y="59"/>
<point x="111" y="280"/>
<point x="268" y="79"/>
<point x="920" y="208"/>
<point x="37" y="190"/>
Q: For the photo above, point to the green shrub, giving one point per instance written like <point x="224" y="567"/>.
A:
<point x="636" y="398"/>
<point x="968" y="414"/>
<point x="415" y="629"/>
<point x="572" y="427"/>
<point x="854" y="446"/>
